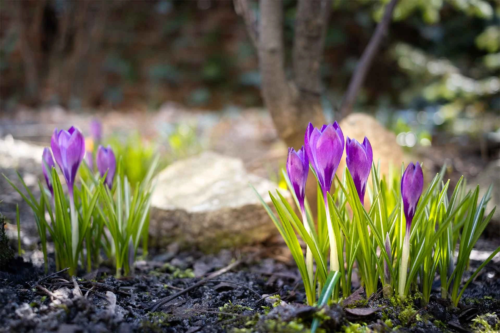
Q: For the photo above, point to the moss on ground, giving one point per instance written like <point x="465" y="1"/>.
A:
<point x="487" y="323"/>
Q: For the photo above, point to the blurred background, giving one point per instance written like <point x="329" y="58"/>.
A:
<point x="185" y="76"/>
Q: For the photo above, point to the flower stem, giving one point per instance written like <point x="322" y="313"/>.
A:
<point x="334" y="260"/>
<point x="309" y="256"/>
<point x="74" y="226"/>
<point x="403" y="269"/>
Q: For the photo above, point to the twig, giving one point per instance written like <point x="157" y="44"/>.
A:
<point x="88" y="291"/>
<point x="416" y="313"/>
<point x="218" y="312"/>
<point x="239" y="285"/>
<point x="95" y="293"/>
<point x="105" y="286"/>
<point x="242" y="8"/>
<point x="264" y="298"/>
<point x="366" y="60"/>
<point x="172" y="287"/>
<point x="196" y="285"/>
<point x="51" y="275"/>
<point x="77" y="287"/>
<point x="46" y="291"/>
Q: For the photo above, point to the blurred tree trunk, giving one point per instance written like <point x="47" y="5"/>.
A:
<point x="293" y="103"/>
<point x="56" y="48"/>
<point x="30" y="41"/>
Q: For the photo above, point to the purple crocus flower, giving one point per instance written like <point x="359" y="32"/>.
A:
<point x="48" y="162"/>
<point x="412" y="184"/>
<point x="106" y="162"/>
<point x="324" y="149"/>
<point x="89" y="159"/>
<point x="297" y="167"/>
<point x="68" y="148"/>
<point x="359" y="158"/>
<point x="96" y="130"/>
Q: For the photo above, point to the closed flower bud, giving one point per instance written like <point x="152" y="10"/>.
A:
<point x="324" y="149"/>
<point x="47" y="165"/>
<point x="412" y="185"/>
<point x="359" y="158"/>
<point x="68" y="148"/>
<point x="297" y="167"/>
<point x="106" y="163"/>
<point x="96" y="130"/>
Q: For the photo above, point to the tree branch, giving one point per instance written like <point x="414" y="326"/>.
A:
<point x="310" y="31"/>
<point x="242" y="8"/>
<point x="366" y="60"/>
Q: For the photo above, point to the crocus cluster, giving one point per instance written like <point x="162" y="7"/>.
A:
<point x="68" y="149"/>
<point x="323" y="149"/>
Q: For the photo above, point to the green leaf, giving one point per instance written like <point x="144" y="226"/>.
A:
<point x="326" y="294"/>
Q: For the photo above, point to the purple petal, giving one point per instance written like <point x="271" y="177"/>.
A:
<point x="106" y="162"/>
<point x="359" y="162"/>
<point x="412" y="185"/>
<point x="328" y="152"/>
<point x="368" y="149"/>
<point x="297" y="168"/>
<point x="307" y="146"/>
<point x="96" y="130"/>
<point x="47" y="162"/>
<point x="337" y="128"/>
<point x="54" y="145"/>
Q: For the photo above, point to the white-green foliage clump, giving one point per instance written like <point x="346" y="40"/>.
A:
<point x="373" y="236"/>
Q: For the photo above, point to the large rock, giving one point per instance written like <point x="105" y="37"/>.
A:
<point x="384" y="145"/>
<point x="490" y="176"/>
<point x="206" y="202"/>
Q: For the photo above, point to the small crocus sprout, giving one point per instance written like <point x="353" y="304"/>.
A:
<point x="297" y="167"/>
<point x="412" y="185"/>
<point x="106" y="162"/>
<point x="387" y="272"/>
<point x="89" y="159"/>
<point x="47" y="165"/>
<point x="324" y="149"/>
<point x="96" y="130"/>
<point x="359" y="158"/>
<point x="68" y="148"/>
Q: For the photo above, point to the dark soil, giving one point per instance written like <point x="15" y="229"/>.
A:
<point x="254" y="294"/>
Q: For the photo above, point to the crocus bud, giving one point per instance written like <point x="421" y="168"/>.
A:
<point x="297" y="167"/>
<point x="359" y="161"/>
<point x="68" y="148"/>
<point x="412" y="184"/>
<point x="106" y="162"/>
<point x="387" y="271"/>
<point x="96" y="130"/>
<point x="324" y="149"/>
<point x="89" y="159"/>
<point x="47" y="165"/>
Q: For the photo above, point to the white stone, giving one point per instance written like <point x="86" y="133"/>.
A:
<point x="207" y="201"/>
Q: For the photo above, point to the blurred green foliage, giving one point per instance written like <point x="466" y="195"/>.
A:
<point x="136" y="155"/>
